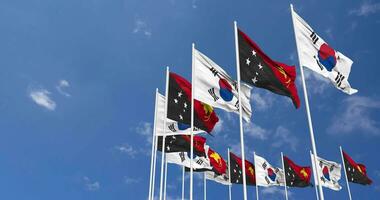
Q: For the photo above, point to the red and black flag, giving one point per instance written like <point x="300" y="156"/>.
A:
<point x="296" y="176"/>
<point x="356" y="172"/>
<point x="259" y="70"/>
<point x="181" y="143"/>
<point x="179" y="106"/>
<point x="236" y="169"/>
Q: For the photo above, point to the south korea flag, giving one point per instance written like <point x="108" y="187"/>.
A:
<point x="329" y="173"/>
<point x="315" y="54"/>
<point x="267" y="175"/>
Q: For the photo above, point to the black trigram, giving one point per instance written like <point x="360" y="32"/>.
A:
<point x="314" y="37"/>
<point x="237" y="105"/>
<point x="172" y="128"/>
<point x="339" y="79"/>
<point x="199" y="162"/>
<point x="264" y="165"/>
<point x="212" y="93"/>
<point x="214" y="71"/>
<point x="267" y="180"/>
<point x="182" y="156"/>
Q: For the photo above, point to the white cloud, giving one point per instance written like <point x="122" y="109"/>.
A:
<point x="262" y="100"/>
<point x="329" y="33"/>
<point x="145" y="129"/>
<point x="283" y="137"/>
<point x="274" y="191"/>
<point x="255" y="131"/>
<point x="127" y="149"/>
<point x="41" y="97"/>
<point x="129" y="180"/>
<point x="91" y="185"/>
<point x="355" y="115"/>
<point x="62" y="84"/>
<point x="194" y="4"/>
<point x="366" y="8"/>
<point x="141" y="27"/>
<point x="218" y="127"/>
<point x="315" y="83"/>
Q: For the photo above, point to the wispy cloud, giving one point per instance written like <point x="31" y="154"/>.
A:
<point x="255" y="131"/>
<point x="366" y="8"/>
<point x="42" y="98"/>
<point x="145" y="129"/>
<point x="62" y="85"/>
<point x="142" y="27"/>
<point x="91" y="185"/>
<point x="274" y="191"/>
<point x="127" y="149"/>
<point x="194" y="4"/>
<point x="130" y="180"/>
<point x="316" y="83"/>
<point x="262" y="100"/>
<point x="355" y="115"/>
<point x="283" y="137"/>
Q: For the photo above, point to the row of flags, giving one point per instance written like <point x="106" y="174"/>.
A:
<point x="259" y="172"/>
<point x="189" y="106"/>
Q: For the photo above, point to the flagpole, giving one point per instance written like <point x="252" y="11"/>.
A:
<point x="240" y="112"/>
<point x="183" y="182"/>
<point x="153" y="142"/>
<point x="307" y="108"/>
<point x="192" y="121"/>
<point x="166" y="177"/>
<point x="163" y="137"/>
<point x="229" y="175"/>
<point x="154" y="166"/>
<point x="283" y="167"/>
<point x="204" y="186"/>
<point x="257" y="187"/>
<point x="345" y="173"/>
<point x="315" y="179"/>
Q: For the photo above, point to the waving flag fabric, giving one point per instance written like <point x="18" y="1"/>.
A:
<point x="219" y="172"/>
<point x="317" y="55"/>
<point x="296" y="176"/>
<point x="172" y="127"/>
<point x="179" y="106"/>
<point x="236" y="171"/>
<point x="266" y="174"/>
<point x="259" y="70"/>
<point x="356" y="172"/>
<point x="329" y="173"/>
<point x="216" y="88"/>
<point x="183" y="159"/>
<point x="181" y="143"/>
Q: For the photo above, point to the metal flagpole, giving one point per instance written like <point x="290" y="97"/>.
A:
<point x="204" y="186"/>
<point x="163" y="137"/>
<point x="153" y="142"/>
<point x="257" y="187"/>
<point x="229" y="175"/>
<point x="314" y="176"/>
<point x="240" y="113"/>
<point x="166" y="177"/>
<point x="345" y="173"/>
<point x="192" y="122"/>
<point x="307" y="107"/>
<point x="154" y="166"/>
<point x="183" y="182"/>
<point x="283" y="167"/>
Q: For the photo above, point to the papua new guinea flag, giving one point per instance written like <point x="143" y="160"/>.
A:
<point x="356" y="173"/>
<point x="179" y="105"/>
<point x="296" y="176"/>
<point x="236" y="171"/>
<point x="259" y="70"/>
<point x="181" y="143"/>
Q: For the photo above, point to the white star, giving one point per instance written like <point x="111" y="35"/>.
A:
<point x="257" y="73"/>
<point x="260" y="66"/>
<point x="180" y="116"/>
<point x="247" y="61"/>
<point x="175" y="100"/>
<point x="179" y="94"/>
<point x="254" y="80"/>
<point x="185" y="105"/>
<point x="253" y="52"/>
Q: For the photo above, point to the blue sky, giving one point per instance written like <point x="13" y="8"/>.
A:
<point x="78" y="78"/>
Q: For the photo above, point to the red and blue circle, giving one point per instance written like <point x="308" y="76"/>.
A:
<point x="225" y="90"/>
<point x="326" y="56"/>
<point x="326" y="173"/>
<point x="271" y="174"/>
<point x="182" y="126"/>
